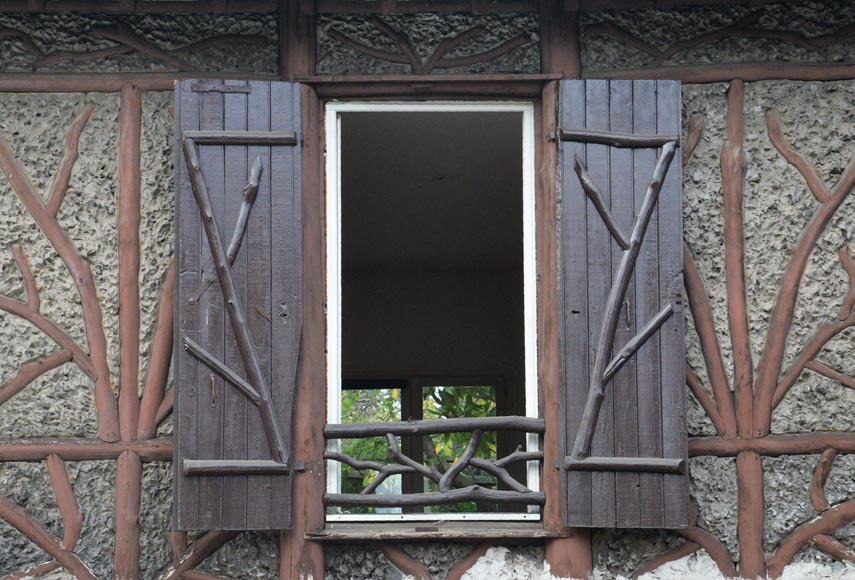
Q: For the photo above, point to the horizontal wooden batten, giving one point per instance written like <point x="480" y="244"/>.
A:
<point x="471" y="493"/>
<point x="197" y="467"/>
<point x="262" y="138"/>
<point x="615" y="138"/>
<point x="220" y="88"/>
<point x="508" y="423"/>
<point x="631" y="464"/>
<point x="82" y="449"/>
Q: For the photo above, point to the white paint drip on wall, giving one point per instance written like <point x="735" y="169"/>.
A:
<point x="502" y="564"/>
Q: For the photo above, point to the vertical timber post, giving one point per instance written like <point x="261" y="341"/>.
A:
<point x="129" y="466"/>
<point x="298" y="558"/>
<point x="559" y="36"/>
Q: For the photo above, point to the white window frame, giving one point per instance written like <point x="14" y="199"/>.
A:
<point x="332" y="123"/>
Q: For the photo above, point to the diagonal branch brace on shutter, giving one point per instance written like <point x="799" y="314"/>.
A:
<point x="255" y="388"/>
<point x="604" y="368"/>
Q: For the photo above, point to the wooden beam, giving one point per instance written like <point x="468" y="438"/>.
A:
<point x="560" y="51"/>
<point x="725" y="72"/>
<point x="431" y="427"/>
<point x="82" y="449"/>
<point x="198" y="467"/>
<point x="298" y="557"/>
<point x="108" y="82"/>
<point x="634" y="464"/>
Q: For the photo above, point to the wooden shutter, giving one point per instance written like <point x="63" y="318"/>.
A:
<point x="238" y="302"/>
<point x="622" y="368"/>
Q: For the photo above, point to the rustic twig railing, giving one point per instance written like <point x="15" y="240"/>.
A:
<point x="399" y="463"/>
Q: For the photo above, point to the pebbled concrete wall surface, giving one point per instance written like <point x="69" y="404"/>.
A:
<point x="819" y="119"/>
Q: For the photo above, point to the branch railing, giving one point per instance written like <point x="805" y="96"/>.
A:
<point x="449" y="490"/>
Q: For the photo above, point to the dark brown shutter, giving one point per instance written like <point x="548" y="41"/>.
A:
<point x="624" y="435"/>
<point x="238" y="303"/>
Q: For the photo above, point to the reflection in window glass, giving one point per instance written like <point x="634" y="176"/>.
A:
<point x="360" y="405"/>
<point x="442" y="450"/>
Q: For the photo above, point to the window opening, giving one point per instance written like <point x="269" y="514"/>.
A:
<point x="430" y="269"/>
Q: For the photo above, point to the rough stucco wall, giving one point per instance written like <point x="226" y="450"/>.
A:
<point x="52" y="33"/>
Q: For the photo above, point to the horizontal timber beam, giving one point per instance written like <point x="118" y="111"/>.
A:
<point x="142" y="6"/>
<point x="726" y="72"/>
<point x="475" y="85"/>
<point x="773" y="445"/>
<point x="432" y="427"/>
<point x="82" y="449"/>
<point x="109" y="82"/>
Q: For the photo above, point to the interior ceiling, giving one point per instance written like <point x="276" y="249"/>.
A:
<point x="431" y="191"/>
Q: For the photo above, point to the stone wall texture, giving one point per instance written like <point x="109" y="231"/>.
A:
<point x="819" y="120"/>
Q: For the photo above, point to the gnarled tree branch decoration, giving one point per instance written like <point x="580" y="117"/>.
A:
<point x="445" y="481"/>
<point x="695" y="538"/>
<point x="194" y="554"/>
<point x="78" y="267"/>
<point x="602" y="365"/>
<point x="741" y="28"/>
<point x="743" y="434"/>
<point x="256" y="387"/>
<point x="768" y="388"/>
<point x="220" y="41"/>
<point x="437" y="58"/>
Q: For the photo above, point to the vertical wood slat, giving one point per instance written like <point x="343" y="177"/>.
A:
<point x="258" y="253"/>
<point x="599" y="283"/>
<point x="625" y="400"/>
<point x="187" y="249"/>
<point x="267" y="273"/>
<point x="210" y="387"/>
<point x="234" y="404"/>
<point x="643" y="411"/>
<point x="286" y="271"/>
<point x="674" y="436"/>
<point x="647" y="305"/>
<point x="573" y="304"/>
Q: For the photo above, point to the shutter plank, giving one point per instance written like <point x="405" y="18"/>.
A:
<point x="258" y="254"/>
<point x="599" y="283"/>
<point x="647" y="305"/>
<point x="286" y="275"/>
<point x="235" y="404"/>
<point x="188" y="248"/>
<point x="210" y="387"/>
<point x="573" y="305"/>
<point x="674" y="439"/>
<point x="625" y="401"/>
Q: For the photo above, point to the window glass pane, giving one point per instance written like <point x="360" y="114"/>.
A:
<point x="366" y="405"/>
<point x="442" y="450"/>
